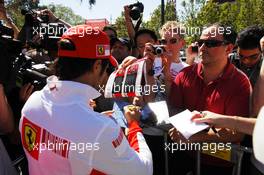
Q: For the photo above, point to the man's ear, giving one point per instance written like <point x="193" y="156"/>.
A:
<point x="97" y="66"/>
<point x="229" y="48"/>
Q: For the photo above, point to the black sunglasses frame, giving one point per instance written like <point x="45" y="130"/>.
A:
<point x="251" y="57"/>
<point x="211" y="43"/>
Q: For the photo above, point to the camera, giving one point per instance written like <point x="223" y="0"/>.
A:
<point x="158" y="49"/>
<point x="16" y="68"/>
<point x="31" y="16"/>
<point x="6" y="30"/>
<point x="29" y="72"/>
<point x="136" y="9"/>
<point x="38" y="24"/>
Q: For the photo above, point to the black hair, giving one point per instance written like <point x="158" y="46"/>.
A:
<point x="69" y="68"/>
<point x="151" y="33"/>
<point x="249" y="38"/>
<point x="229" y="34"/>
<point x="110" y="28"/>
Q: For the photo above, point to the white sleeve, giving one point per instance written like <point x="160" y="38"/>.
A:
<point x="119" y="155"/>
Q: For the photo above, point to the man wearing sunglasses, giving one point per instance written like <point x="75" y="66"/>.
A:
<point x="249" y="56"/>
<point x="215" y="85"/>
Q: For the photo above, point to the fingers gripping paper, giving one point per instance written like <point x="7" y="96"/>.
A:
<point x="128" y="82"/>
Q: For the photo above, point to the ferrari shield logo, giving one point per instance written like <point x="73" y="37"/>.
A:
<point x="102" y="50"/>
<point x="30" y="137"/>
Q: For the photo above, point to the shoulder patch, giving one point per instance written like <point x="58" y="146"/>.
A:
<point x="31" y="137"/>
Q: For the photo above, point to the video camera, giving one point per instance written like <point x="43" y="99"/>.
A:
<point x="16" y="68"/>
<point x="136" y="9"/>
<point x="29" y="72"/>
<point x="32" y="18"/>
<point x="39" y="24"/>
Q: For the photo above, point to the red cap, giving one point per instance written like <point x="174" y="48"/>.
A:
<point x="89" y="43"/>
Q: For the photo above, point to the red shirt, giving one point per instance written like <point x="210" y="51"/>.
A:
<point x="229" y="94"/>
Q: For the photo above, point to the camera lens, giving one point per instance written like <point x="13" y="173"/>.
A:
<point x="159" y="50"/>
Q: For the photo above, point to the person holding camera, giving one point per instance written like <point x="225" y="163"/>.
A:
<point x="60" y="132"/>
<point x="214" y="85"/>
<point x="172" y="37"/>
<point x="133" y="12"/>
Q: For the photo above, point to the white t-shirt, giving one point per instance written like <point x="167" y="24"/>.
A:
<point x="61" y="134"/>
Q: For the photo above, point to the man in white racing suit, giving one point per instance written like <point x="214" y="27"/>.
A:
<point x="60" y="132"/>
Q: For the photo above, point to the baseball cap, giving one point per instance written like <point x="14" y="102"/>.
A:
<point x="89" y="43"/>
<point x="124" y="41"/>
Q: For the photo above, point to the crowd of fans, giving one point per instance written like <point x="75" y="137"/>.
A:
<point x="222" y="84"/>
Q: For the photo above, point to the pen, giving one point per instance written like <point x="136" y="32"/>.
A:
<point x="213" y="128"/>
<point x="215" y="131"/>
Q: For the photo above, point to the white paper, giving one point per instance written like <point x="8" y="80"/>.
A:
<point x="182" y="122"/>
<point x="160" y="109"/>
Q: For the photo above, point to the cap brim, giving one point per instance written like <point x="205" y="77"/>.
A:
<point x="113" y="61"/>
<point x="258" y="141"/>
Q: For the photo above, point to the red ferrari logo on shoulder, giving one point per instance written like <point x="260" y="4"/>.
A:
<point x="31" y="137"/>
<point x="102" y="50"/>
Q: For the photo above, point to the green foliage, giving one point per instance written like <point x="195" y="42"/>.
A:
<point x="120" y="25"/>
<point x="239" y="14"/>
<point x="66" y="14"/>
<point x="155" y="21"/>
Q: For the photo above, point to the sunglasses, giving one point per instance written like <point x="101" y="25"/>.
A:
<point x="171" y="41"/>
<point x="211" y="43"/>
<point x="250" y="57"/>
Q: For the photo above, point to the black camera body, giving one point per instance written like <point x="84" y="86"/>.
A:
<point x="27" y="73"/>
<point x="158" y="49"/>
<point x="6" y="30"/>
<point x="36" y="24"/>
<point x="16" y="69"/>
<point x="136" y="9"/>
